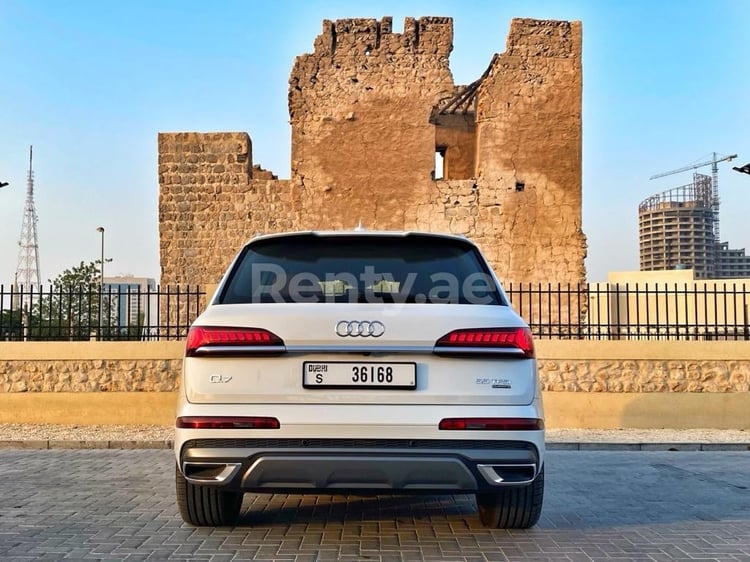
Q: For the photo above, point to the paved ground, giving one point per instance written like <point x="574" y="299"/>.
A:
<point x="600" y="505"/>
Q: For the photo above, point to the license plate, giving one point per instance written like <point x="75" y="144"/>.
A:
<point x="364" y="374"/>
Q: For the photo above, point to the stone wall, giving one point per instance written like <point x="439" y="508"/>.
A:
<point x="210" y="203"/>
<point x="369" y="109"/>
<point x="564" y="365"/>
<point x="363" y="147"/>
<point x="91" y="375"/>
<point x="163" y="375"/>
<point x="588" y="384"/>
<point x="634" y="375"/>
<point x="101" y="367"/>
<point x="529" y="154"/>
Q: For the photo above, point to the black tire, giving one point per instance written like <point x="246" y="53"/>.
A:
<point x="206" y="506"/>
<point x="517" y="507"/>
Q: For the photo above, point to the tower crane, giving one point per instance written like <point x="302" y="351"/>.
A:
<point x="714" y="184"/>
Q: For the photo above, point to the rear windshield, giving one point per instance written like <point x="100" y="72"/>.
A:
<point x="363" y="269"/>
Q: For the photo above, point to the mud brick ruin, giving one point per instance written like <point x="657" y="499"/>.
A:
<point x="369" y="110"/>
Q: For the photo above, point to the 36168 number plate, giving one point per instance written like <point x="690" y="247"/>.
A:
<point x="364" y="374"/>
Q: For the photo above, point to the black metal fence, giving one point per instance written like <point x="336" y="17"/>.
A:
<point x="704" y="311"/>
<point x="107" y="313"/>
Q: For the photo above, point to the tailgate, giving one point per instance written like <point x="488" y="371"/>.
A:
<point x="324" y="361"/>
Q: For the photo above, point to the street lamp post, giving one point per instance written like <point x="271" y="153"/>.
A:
<point x="100" y="230"/>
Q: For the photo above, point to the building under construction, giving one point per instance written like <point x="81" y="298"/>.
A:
<point x="678" y="231"/>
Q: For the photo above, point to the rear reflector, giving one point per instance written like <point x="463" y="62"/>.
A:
<point x="203" y="338"/>
<point x="492" y="424"/>
<point x="224" y="422"/>
<point x="487" y="339"/>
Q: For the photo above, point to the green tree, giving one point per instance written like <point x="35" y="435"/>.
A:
<point x="11" y="324"/>
<point x="70" y="309"/>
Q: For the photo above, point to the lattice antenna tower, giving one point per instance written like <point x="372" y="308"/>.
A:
<point x="27" y="270"/>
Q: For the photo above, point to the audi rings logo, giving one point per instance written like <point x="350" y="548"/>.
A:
<point x="357" y="329"/>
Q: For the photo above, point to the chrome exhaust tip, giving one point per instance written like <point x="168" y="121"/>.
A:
<point x="209" y="472"/>
<point x="508" y="474"/>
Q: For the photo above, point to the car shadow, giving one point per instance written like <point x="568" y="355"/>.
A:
<point x="262" y="509"/>
<point x="584" y="490"/>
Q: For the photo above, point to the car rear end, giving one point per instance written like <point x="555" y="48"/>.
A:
<point x="360" y="362"/>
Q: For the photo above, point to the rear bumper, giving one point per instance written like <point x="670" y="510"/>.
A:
<point x="357" y="466"/>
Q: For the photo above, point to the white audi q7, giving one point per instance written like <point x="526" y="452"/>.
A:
<point x="360" y="362"/>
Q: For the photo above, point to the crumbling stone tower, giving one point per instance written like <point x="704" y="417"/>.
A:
<point x="369" y="110"/>
<point x="363" y="145"/>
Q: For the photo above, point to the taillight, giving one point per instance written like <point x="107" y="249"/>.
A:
<point x="226" y="422"/>
<point x="219" y="339"/>
<point x="492" y="424"/>
<point x="514" y="340"/>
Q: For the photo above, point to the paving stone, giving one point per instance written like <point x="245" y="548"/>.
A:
<point x="118" y="504"/>
<point x="40" y="444"/>
<point x="725" y="447"/>
<point x="670" y="446"/>
<point x="139" y="445"/>
<point x="78" y="444"/>
<point x="562" y="446"/>
<point x="609" y="446"/>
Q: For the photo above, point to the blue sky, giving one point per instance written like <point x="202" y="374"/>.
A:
<point x="90" y="84"/>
